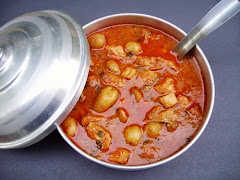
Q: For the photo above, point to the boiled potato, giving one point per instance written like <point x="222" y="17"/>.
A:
<point x="120" y="156"/>
<point x="133" y="47"/>
<point x="97" y="40"/>
<point x="123" y="115"/>
<point x="133" y="134"/>
<point x="106" y="98"/>
<point x="153" y="129"/>
<point x="113" y="66"/>
<point x="69" y="125"/>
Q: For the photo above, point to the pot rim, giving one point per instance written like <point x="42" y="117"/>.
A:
<point x="179" y="152"/>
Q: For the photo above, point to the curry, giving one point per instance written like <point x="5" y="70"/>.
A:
<point x="139" y="105"/>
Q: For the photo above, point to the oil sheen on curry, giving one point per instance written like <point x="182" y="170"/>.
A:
<point x="140" y="105"/>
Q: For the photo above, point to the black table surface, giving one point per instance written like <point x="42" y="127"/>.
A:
<point x="216" y="154"/>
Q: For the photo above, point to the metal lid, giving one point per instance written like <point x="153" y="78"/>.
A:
<point x="44" y="63"/>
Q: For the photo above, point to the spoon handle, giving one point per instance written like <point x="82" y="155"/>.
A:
<point x="218" y="15"/>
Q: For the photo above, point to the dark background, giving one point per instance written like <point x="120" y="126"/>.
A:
<point x="216" y="155"/>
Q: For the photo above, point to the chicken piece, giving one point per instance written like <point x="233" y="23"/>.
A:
<point x="114" y="80"/>
<point x="149" y="77"/>
<point x="154" y="63"/>
<point x="147" y="88"/>
<point x="69" y="126"/>
<point x="93" y="81"/>
<point x="148" y="151"/>
<point x="166" y="87"/>
<point x="168" y="100"/>
<point x="129" y="72"/>
<point x="146" y="34"/>
<point x="155" y="115"/>
<point x="172" y="126"/>
<point x="100" y="134"/>
<point x="157" y="65"/>
<point x="157" y="37"/>
<point x="167" y="62"/>
<point x="120" y="156"/>
<point x="183" y="100"/>
<point x="137" y="93"/>
<point x="144" y="61"/>
<point x="154" y="111"/>
<point x="167" y="116"/>
<point x="195" y="113"/>
<point x="91" y="118"/>
<point x="116" y="51"/>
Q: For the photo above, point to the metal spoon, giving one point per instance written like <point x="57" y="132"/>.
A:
<point x="218" y="15"/>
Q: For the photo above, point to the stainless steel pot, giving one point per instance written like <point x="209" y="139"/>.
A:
<point x="44" y="63"/>
<point x="178" y="34"/>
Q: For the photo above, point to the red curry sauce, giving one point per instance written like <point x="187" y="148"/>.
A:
<point x="188" y="90"/>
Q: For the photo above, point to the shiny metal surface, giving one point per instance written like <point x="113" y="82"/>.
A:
<point x="178" y="34"/>
<point x="43" y="69"/>
<point x="218" y="15"/>
<point x="1" y="53"/>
